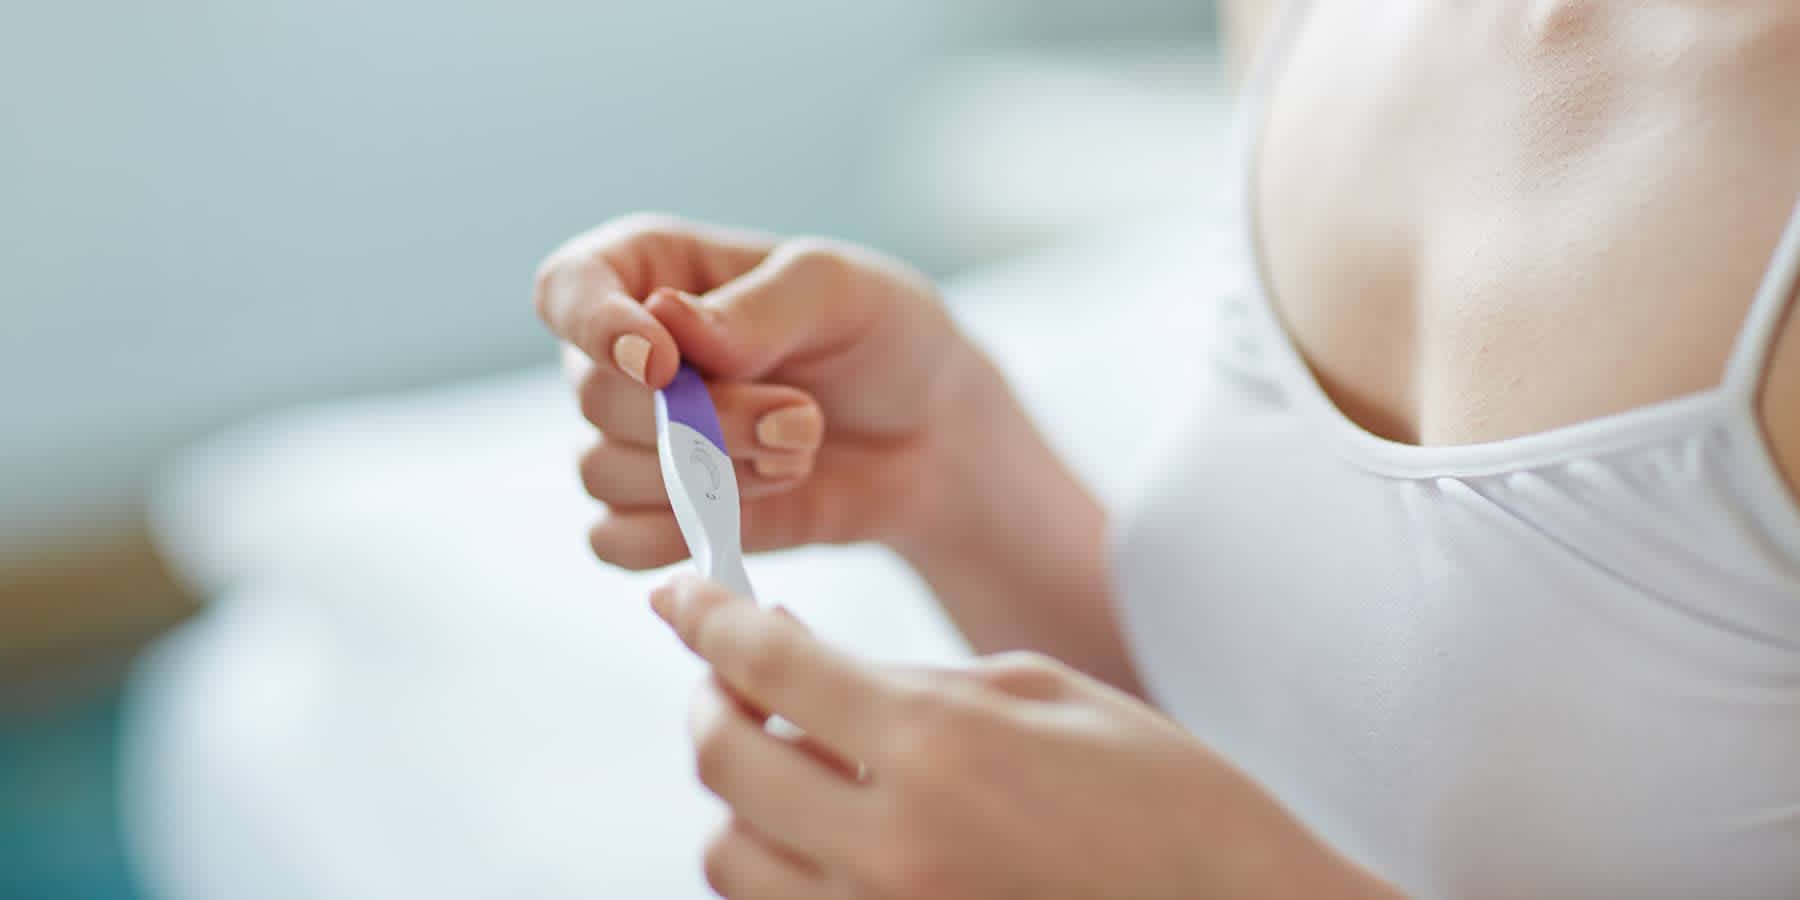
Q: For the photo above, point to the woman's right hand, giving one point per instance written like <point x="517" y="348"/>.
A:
<point x="836" y="371"/>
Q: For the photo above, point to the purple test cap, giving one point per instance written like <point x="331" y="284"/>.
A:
<point x="689" y="403"/>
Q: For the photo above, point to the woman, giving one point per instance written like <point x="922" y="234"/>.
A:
<point x="1473" y="566"/>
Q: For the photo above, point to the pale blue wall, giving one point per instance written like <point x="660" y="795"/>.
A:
<point x="208" y="208"/>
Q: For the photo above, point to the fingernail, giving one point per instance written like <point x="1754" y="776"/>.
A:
<point x="632" y="354"/>
<point x="793" y="428"/>
<point x="781" y="466"/>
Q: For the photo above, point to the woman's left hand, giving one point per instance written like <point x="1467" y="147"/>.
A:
<point x="1017" y="777"/>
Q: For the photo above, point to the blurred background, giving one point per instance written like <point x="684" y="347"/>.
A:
<point x="214" y="211"/>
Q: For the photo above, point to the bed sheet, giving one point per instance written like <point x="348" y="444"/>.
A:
<point x="412" y="680"/>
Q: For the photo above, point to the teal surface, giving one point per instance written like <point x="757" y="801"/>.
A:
<point x="59" y="824"/>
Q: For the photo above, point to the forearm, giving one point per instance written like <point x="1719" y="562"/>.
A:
<point x="1012" y="543"/>
<point x="1290" y="863"/>
<point x="1242" y="842"/>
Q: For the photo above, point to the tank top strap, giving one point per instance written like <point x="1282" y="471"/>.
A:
<point x="1750" y="357"/>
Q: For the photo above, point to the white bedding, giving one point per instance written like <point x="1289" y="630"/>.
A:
<point x="415" y="682"/>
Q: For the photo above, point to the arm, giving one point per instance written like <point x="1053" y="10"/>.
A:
<point x="1015" y="777"/>
<point x="1244" y="24"/>
<point x="1013" y="545"/>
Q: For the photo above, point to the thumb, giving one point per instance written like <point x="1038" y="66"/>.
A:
<point x="800" y="300"/>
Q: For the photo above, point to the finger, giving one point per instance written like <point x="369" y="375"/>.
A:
<point x="611" y="328"/>
<point x="741" y="864"/>
<point x="628" y="476"/>
<point x="645" y="251"/>
<point x="755" y="418"/>
<point x="846" y="769"/>
<point x="800" y="298"/>
<point x="638" y="539"/>
<point x="771" y="783"/>
<point x="1026" y="676"/>
<point x="623" y="475"/>
<point x="775" y="516"/>
<point x="587" y="289"/>
<point x="775" y="664"/>
<point x="617" y="404"/>
<point x="772" y="417"/>
<point x="575" y="364"/>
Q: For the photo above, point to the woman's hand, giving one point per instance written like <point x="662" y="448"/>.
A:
<point x="1016" y="778"/>
<point x="835" y="370"/>
<point x="855" y="411"/>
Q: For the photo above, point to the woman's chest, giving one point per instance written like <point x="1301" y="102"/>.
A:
<point x="1520" y="684"/>
<point x="1485" y="222"/>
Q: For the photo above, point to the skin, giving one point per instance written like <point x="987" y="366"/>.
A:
<point x="862" y="342"/>
<point x="960" y="772"/>
<point x="1531" y="214"/>
<point x="1478" y="220"/>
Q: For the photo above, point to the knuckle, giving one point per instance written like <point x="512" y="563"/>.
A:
<point x="767" y="660"/>
<point x="710" y="631"/>
<point x="542" y="282"/>
<point x="576" y="365"/>
<point x="1022" y="672"/>
<point x="913" y="701"/>
<point x="814" y="253"/>
<point x="595" y="477"/>
<point x="553" y="278"/>
<point x="638" y="559"/>
<point x="565" y="264"/>
<point x="712" y="755"/>
<point x="634" y="553"/>
<point x="593" y="396"/>
<point x="589" y="325"/>
<point x="585" y="254"/>
<point x="662" y="594"/>
<point x="644" y="224"/>
<point x="562" y="263"/>
<point x="715" y="861"/>
<point x="582" y="329"/>
<point x="710" y="726"/>
<point x="929" y="731"/>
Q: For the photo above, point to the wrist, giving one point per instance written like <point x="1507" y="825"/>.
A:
<point x="1009" y="540"/>
<point x="990" y="492"/>
<point x="1269" y="855"/>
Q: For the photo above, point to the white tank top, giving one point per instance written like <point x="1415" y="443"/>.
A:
<point x="1558" y="666"/>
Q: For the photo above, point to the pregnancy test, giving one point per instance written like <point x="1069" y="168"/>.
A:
<point x="703" y="489"/>
<point x="701" y="482"/>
